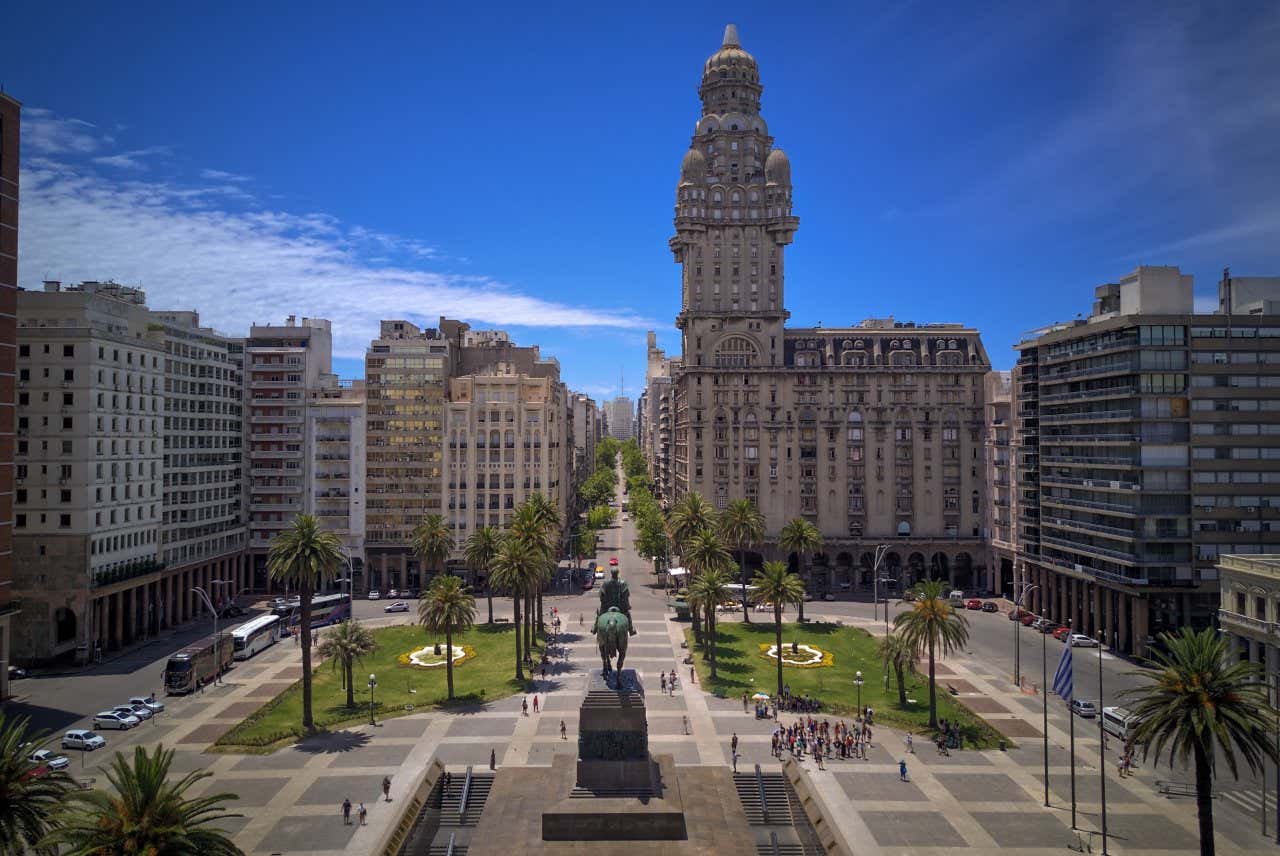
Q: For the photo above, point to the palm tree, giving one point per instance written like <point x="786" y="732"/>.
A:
<point x="144" y="813"/>
<point x="932" y="624"/>
<point x="546" y="513"/>
<point x="775" y="584"/>
<point x="801" y="537"/>
<point x="741" y="524"/>
<point x="513" y="568"/>
<point x="529" y="524"/>
<point x="1200" y="702"/>
<point x="708" y="590"/>
<point x="447" y="606"/>
<point x="897" y="654"/>
<point x="704" y="553"/>
<point x="29" y="795"/>
<point x="432" y="542"/>
<point x="478" y="553"/>
<point x="692" y="514"/>
<point x="299" y="556"/>
<point x="344" y="646"/>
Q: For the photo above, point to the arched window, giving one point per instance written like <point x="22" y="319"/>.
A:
<point x="854" y="358"/>
<point x="902" y="358"/>
<point x="736" y="352"/>
<point x="855" y="427"/>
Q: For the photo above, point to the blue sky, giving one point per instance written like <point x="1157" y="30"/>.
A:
<point x="515" y="164"/>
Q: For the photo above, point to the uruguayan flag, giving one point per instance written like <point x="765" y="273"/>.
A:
<point x="1062" y="678"/>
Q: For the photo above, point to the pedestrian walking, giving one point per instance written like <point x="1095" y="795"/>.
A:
<point x="535" y="704"/>
<point x="911" y="749"/>
<point x="564" y="732"/>
<point x="363" y="814"/>
<point x="524" y="707"/>
<point x="733" y="743"/>
<point x="346" y="812"/>
<point x="493" y="760"/>
<point x="902" y="770"/>
<point x="686" y="724"/>
<point x="662" y="681"/>
<point x="744" y="701"/>
<point x="818" y="756"/>
<point x="386" y="788"/>
<point x="693" y="676"/>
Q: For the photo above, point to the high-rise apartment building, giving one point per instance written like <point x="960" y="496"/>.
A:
<point x="123" y="501"/>
<point x="10" y="118"/>
<point x="874" y="432"/>
<point x="653" y="422"/>
<point x="335" y="438"/>
<point x="585" y="421"/>
<point x="620" y="418"/>
<point x="1146" y="440"/>
<point x="406" y="372"/>
<point x="1001" y="485"/>
<point x="283" y="363"/>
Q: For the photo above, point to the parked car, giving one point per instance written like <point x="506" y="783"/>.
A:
<point x="16" y="673"/>
<point x="231" y="611"/>
<point x="990" y="606"/>
<point x="139" y="710"/>
<point x="599" y="575"/>
<point x="374" y="594"/>
<point x="393" y="593"/>
<point x="83" y="738"/>
<point x="46" y="758"/>
<point x="1029" y="619"/>
<point x="114" y="719"/>
<point x="149" y="702"/>
<point x="1048" y="627"/>
<point x="1079" y="640"/>
<point x="1083" y="709"/>
<point x="1061" y="633"/>
<point x="973" y="603"/>
<point x="613" y="561"/>
<point x="828" y="596"/>
<point x="413" y="594"/>
<point x="398" y="606"/>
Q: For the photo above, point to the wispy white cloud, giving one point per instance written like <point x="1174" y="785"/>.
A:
<point x="207" y="245"/>
<point x="44" y="133"/>
<point x="135" y="159"/>
<point x="222" y="175"/>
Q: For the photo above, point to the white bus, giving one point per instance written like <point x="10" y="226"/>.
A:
<point x="1118" y="722"/>
<point x="250" y="638"/>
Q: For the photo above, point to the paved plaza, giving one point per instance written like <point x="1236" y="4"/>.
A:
<point x="969" y="802"/>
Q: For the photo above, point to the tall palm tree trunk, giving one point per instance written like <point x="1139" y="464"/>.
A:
<point x="448" y="658"/>
<point x="351" y="690"/>
<point x="805" y="580"/>
<point x="742" y="578"/>
<point x="711" y="638"/>
<point x="489" y="595"/>
<point x="902" y="685"/>
<point x="308" y="723"/>
<point x="515" y="604"/>
<point x="777" y="624"/>
<point x="1204" y="799"/>
<point x="933" y="694"/>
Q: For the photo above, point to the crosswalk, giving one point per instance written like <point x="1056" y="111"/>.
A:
<point x="1250" y="801"/>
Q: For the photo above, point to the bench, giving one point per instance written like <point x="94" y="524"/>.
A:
<point x="502" y="621"/>
<point x="1176" y="789"/>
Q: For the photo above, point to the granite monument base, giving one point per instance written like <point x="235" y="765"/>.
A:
<point x="618" y="816"/>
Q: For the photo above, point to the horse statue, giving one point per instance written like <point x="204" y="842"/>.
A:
<point x="612" y="629"/>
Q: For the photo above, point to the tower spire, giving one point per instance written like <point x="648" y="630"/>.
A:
<point x="731" y="37"/>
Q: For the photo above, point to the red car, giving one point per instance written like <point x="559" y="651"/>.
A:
<point x="1028" y="619"/>
<point x="973" y="603"/>
<point x="614" y="561"/>
<point x="1061" y="633"/>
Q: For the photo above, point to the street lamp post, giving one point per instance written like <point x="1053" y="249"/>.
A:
<point x="881" y="549"/>
<point x="857" y="682"/>
<point x="1017" y="649"/>
<point x="373" y="682"/>
<point x="217" y="662"/>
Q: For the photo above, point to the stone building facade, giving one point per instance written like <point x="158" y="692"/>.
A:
<point x="873" y="432"/>
<point x="335" y="436"/>
<point x="1249" y="611"/>
<point x="10" y="119"/>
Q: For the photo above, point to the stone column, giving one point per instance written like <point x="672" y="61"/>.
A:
<point x="1186" y="609"/>
<point x="129" y="596"/>
<point x="1109" y="599"/>
<point x="1140" y="617"/>
<point x="117" y="620"/>
<point x="100" y="625"/>
<point x="1123" y="622"/>
<point x="404" y="572"/>
<point x="1095" y="621"/>
<point x="382" y="572"/>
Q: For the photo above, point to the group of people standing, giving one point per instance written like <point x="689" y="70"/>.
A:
<point x="822" y="739"/>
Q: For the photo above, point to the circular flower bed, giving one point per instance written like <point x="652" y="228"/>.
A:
<point x="804" y="657"/>
<point x="427" y="657"/>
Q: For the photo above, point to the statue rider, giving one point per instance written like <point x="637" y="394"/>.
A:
<point x="614" y="592"/>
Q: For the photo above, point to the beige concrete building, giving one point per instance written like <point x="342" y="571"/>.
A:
<point x="284" y="362"/>
<point x="123" y="502"/>
<point x="10" y="120"/>
<point x="1000" y="495"/>
<point x="1250" y="609"/>
<point x="874" y="432"/>
<point x="335" y="436"/>
<point x="619" y="418"/>
<point x="1147" y="441"/>
<point x="584" y="432"/>
<point x="406" y="372"/>
<point x="654" y="413"/>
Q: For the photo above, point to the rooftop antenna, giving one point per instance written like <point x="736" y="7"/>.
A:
<point x="622" y="384"/>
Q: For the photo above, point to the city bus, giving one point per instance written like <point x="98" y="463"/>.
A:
<point x="253" y="636"/>
<point x="197" y="664"/>
<point x="325" y="609"/>
<point x="1118" y="722"/>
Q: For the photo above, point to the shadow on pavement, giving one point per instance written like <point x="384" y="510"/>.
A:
<point x="332" y="743"/>
<point x="51" y="719"/>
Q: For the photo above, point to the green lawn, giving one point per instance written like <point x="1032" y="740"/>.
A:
<point x="486" y="677"/>
<point x="740" y="667"/>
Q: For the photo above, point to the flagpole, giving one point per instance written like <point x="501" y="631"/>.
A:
<point x="1071" y="714"/>
<point x="1044" y="707"/>
<point x="1102" y="752"/>
<point x="1064" y="687"/>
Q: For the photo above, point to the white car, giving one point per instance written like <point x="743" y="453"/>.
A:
<point x="374" y="594"/>
<point x="398" y="606"/>
<point x="1083" y="709"/>
<point x="139" y="710"/>
<point x="599" y="575"/>
<point x="393" y="593"/>
<point x="45" y="758"/>
<point x="1079" y="640"/>
<point x="115" y="719"/>
<point x="149" y="702"/>
<point x="82" y="738"/>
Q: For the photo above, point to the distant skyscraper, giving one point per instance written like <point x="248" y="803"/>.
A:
<point x="620" y="416"/>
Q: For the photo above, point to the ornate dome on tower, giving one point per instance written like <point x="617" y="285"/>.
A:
<point x="777" y="168"/>
<point x="731" y="62"/>
<point x="693" y="168"/>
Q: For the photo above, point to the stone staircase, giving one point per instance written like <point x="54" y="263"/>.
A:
<point x="774" y="811"/>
